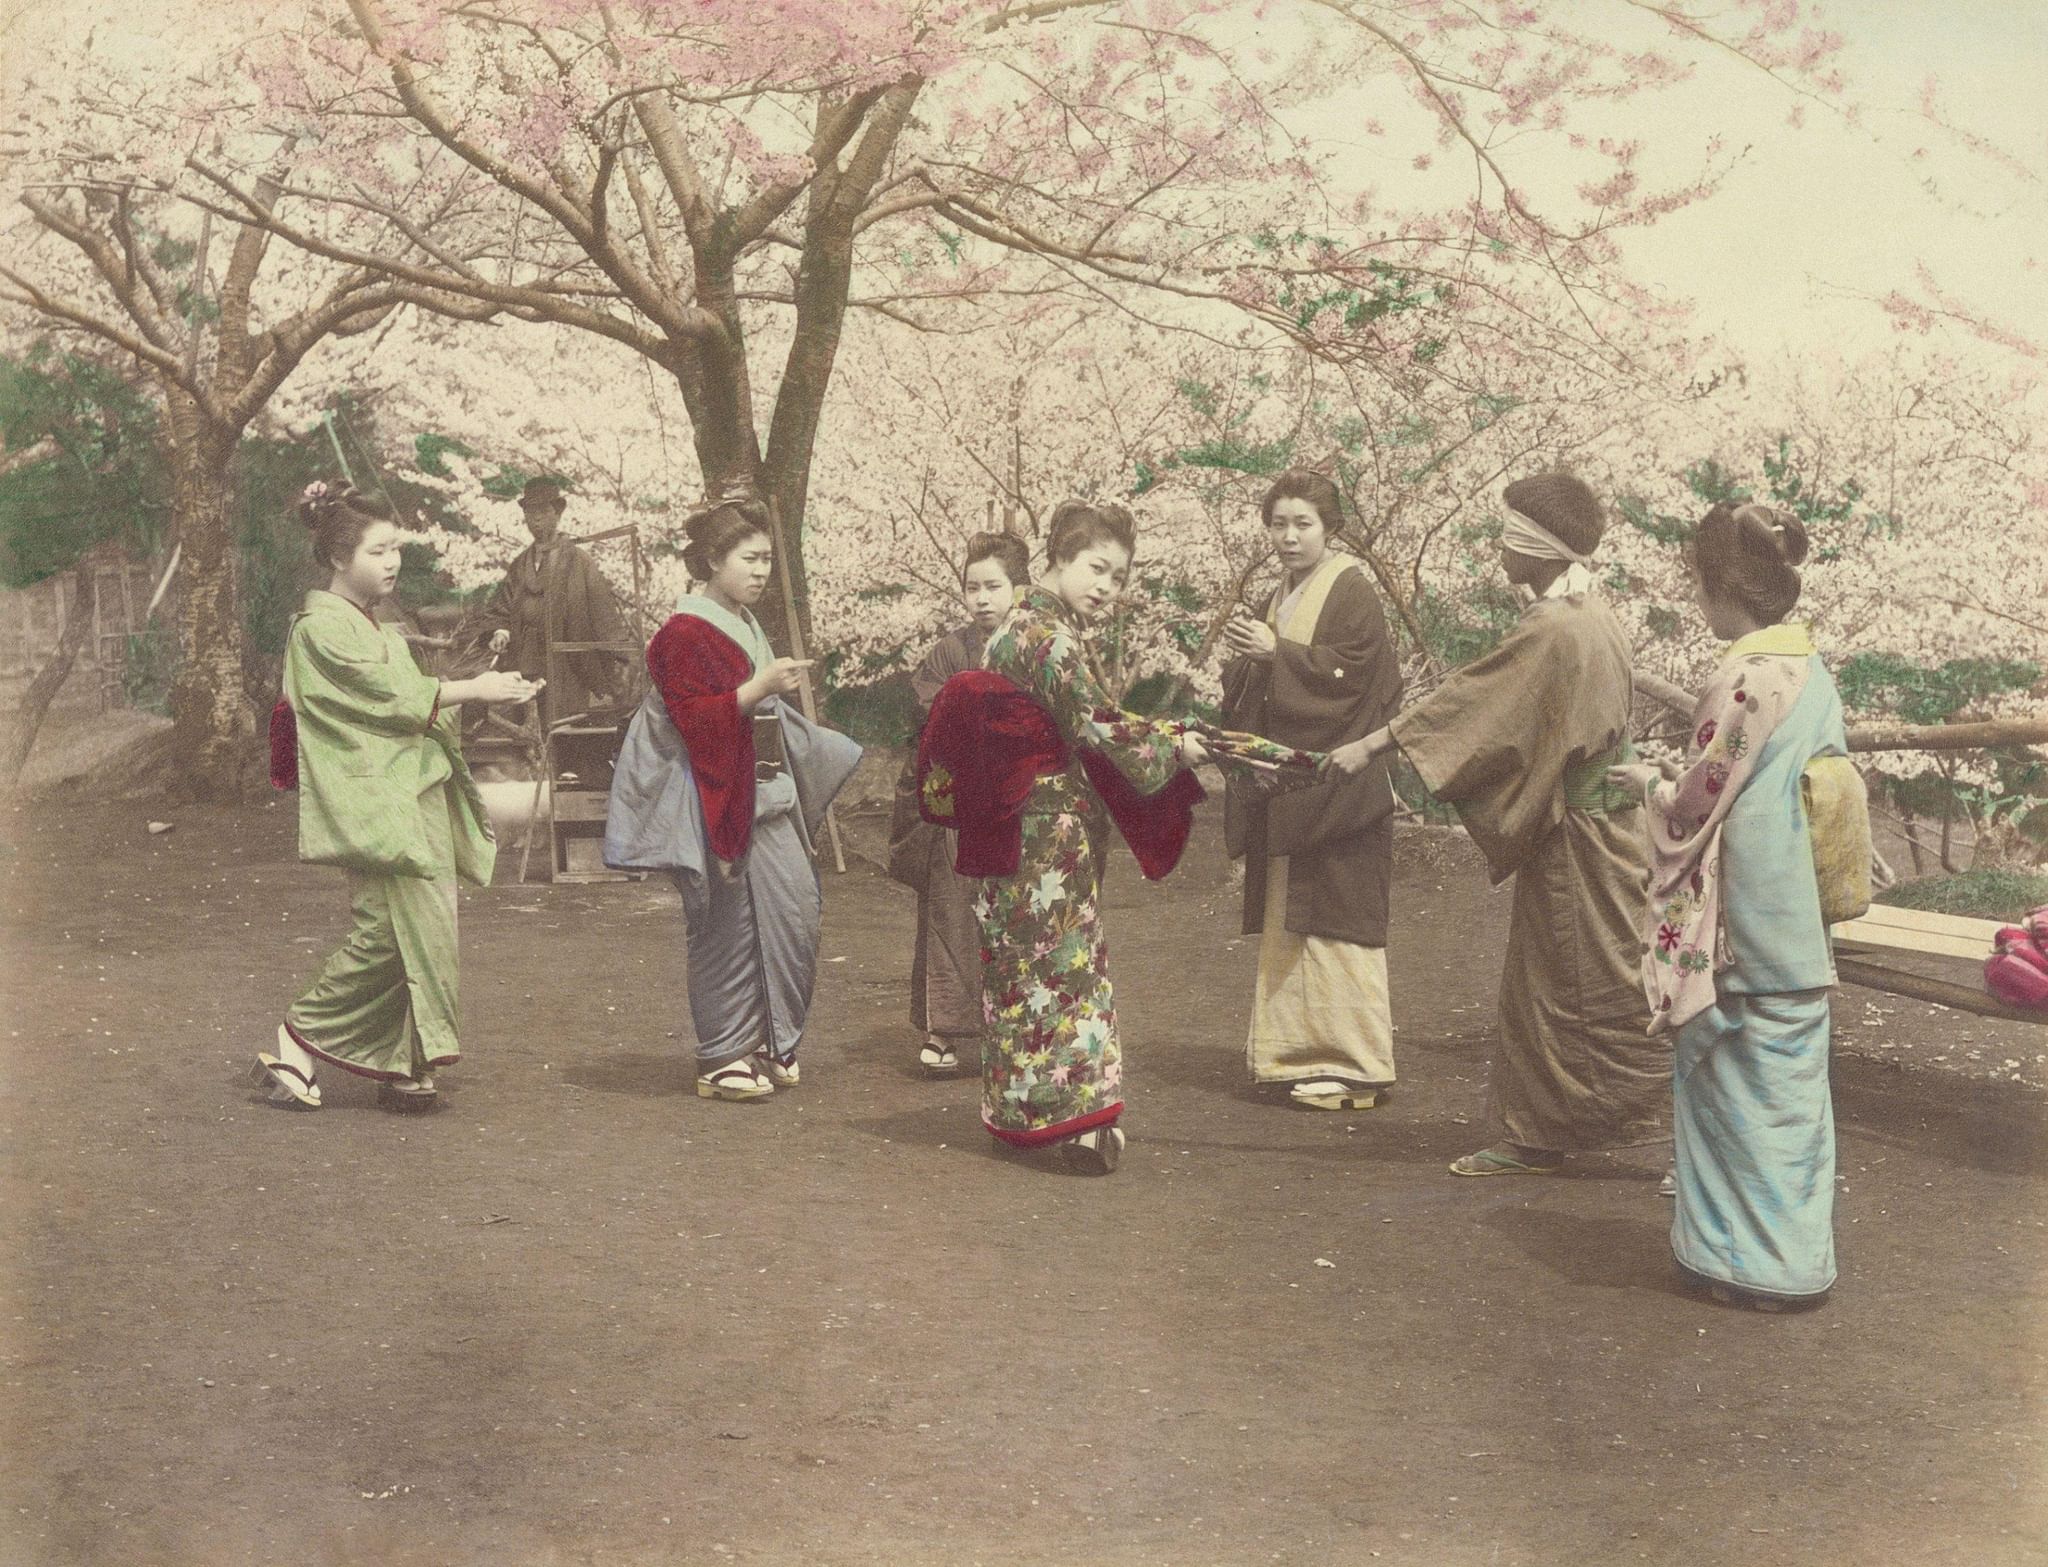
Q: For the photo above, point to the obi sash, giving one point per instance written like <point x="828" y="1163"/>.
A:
<point x="1586" y="787"/>
<point x="985" y="745"/>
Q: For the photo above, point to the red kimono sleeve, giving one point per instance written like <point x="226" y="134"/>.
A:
<point x="699" y="670"/>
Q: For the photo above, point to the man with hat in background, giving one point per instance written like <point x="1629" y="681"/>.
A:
<point x="553" y="592"/>
<point x="1517" y="742"/>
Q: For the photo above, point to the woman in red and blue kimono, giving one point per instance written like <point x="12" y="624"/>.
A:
<point x="722" y="783"/>
<point x="1030" y="761"/>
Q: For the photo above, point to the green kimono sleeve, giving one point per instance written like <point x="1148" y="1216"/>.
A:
<point x="1145" y="750"/>
<point x="360" y="679"/>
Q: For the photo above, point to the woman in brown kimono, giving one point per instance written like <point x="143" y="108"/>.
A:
<point x="1316" y="670"/>
<point x="945" y="967"/>
<point x="1519" y="742"/>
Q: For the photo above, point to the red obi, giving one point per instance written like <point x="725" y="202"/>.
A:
<point x="699" y="670"/>
<point x="983" y="747"/>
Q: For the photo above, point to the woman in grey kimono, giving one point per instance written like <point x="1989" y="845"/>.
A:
<point x="722" y="783"/>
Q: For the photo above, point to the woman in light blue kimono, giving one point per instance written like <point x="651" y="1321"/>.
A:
<point x="722" y="784"/>
<point x="1735" y="954"/>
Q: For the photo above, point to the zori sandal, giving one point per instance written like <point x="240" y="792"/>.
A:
<point x="417" y="1093"/>
<point x="1094" y="1152"/>
<point x="938" y="1058"/>
<point x="781" y="1070"/>
<point x="1500" y="1161"/>
<point x="1332" y="1093"/>
<point x="290" y="1084"/>
<point x="736" y="1080"/>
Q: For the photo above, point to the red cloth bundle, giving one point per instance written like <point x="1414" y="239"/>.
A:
<point x="284" y="746"/>
<point x="985" y="744"/>
<point x="2017" y="970"/>
<point x="698" y="670"/>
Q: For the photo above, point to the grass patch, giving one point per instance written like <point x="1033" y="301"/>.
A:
<point x="1988" y="894"/>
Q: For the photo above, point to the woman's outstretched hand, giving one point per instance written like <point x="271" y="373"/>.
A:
<point x="490" y="687"/>
<point x="781" y="678"/>
<point x="1632" y="777"/>
<point x="1355" y="757"/>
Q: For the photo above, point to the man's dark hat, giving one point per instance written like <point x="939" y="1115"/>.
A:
<point x="546" y="491"/>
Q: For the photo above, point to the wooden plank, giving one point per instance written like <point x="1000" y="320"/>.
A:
<point x="1859" y="971"/>
<point x="1856" y="934"/>
<point x="1919" y="930"/>
<point x="1898" y="917"/>
<point x="580" y="805"/>
<point x="1884" y="736"/>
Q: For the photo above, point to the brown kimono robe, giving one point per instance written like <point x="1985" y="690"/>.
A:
<point x="1318" y="860"/>
<point x="945" y="967"/>
<point x="1339" y="835"/>
<point x="1518" y="742"/>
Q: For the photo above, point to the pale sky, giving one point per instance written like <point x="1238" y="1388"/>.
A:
<point x="1816" y="213"/>
<point x="1811" y="217"/>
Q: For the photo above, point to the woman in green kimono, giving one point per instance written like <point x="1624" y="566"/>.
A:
<point x="1052" y="1067"/>
<point x="372" y="745"/>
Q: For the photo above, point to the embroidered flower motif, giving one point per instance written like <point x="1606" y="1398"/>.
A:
<point x="1668" y="936"/>
<point x="1738" y="746"/>
<point x="938" y="792"/>
<point x="1716" y="777"/>
<point x="1693" y="960"/>
<point x="1706" y="734"/>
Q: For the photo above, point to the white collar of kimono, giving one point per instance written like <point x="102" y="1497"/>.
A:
<point x="1574" y="581"/>
<point x="743" y="628"/>
<point x="1525" y="536"/>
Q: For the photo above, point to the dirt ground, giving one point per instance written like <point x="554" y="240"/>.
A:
<point x="578" y="1315"/>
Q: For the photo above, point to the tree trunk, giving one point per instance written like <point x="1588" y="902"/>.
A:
<point x="823" y="285"/>
<point x="1912" y="824"/>
<point x="214" y="741"/>
<point x="42" y="690"/>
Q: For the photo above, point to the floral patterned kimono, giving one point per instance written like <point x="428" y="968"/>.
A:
<point x="1736" y="959"/>
<point x="1052" y="1066"/>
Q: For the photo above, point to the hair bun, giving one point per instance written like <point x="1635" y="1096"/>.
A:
<point x="1771" y="531"/>
<point x="320" y="500"/>
<point x="1793" y="542"/>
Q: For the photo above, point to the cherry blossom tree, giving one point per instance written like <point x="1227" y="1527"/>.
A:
<point x="213" y="314"/>
<point x="717" y="185"/>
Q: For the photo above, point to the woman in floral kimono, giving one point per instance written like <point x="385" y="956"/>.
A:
<point x="721" y="783"/>
<point x="945" y="967"/>
<point x="1034" y="769"/>
<point x="1737" y="959"/>
<point x="1317" y="670"/>
<point x="373" y="747"/>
